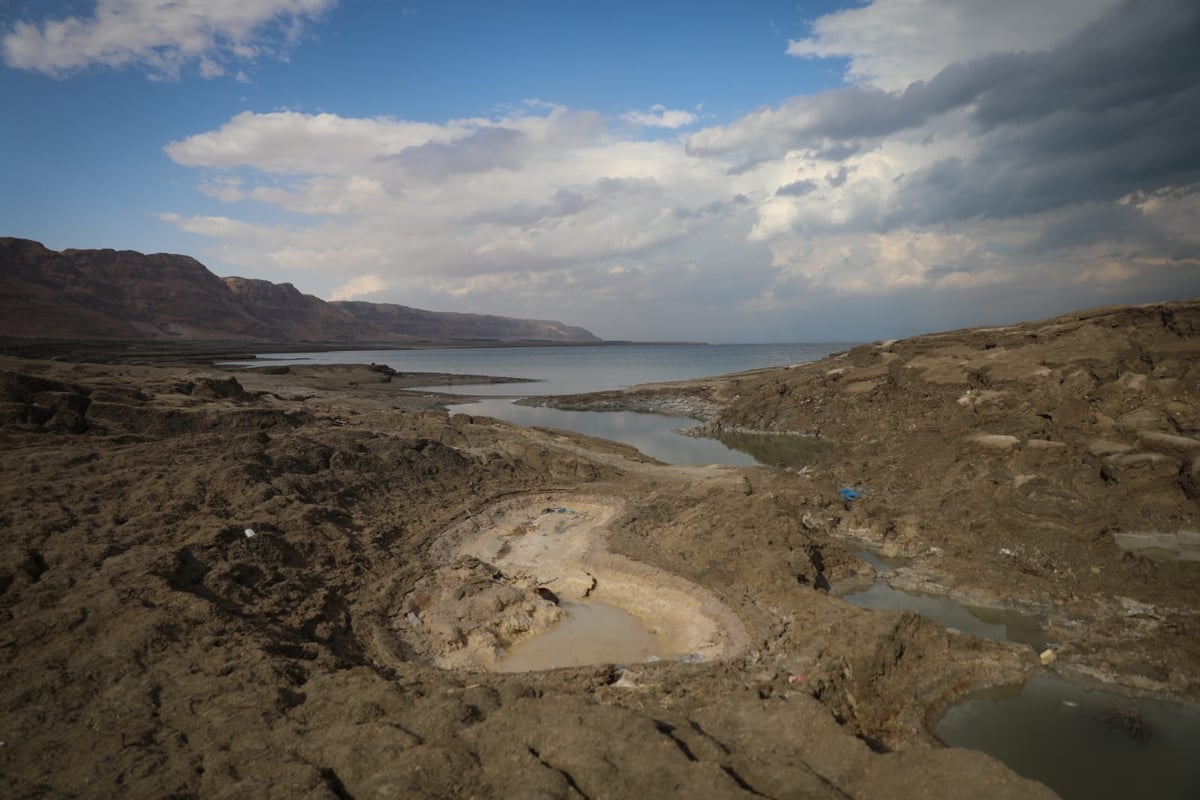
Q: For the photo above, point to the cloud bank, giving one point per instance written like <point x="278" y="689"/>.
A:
<point x="659" y="116"/>
<point x="161" y="36"/>
<point x="995" y="162"/>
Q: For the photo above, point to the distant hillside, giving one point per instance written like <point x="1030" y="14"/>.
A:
<point x="125" y="295"/>
<point x="407" y="321"/>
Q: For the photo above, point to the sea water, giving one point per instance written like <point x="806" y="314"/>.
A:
<point x="570" y="370"/>
<point x="574" y="370"/>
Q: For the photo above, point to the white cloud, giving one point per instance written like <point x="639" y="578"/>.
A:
<point x="535" y="220"/>
<point x="892" y="43"/>
<point x="161" y="36"/>
<point x="361" y="286"/>
<point x="952" y="192"/>
<point x="883" y="263"/>
<point x="659" y="116"/>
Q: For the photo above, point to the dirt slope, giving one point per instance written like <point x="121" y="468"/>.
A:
<point x="149" y="647"/>
<point x="1010" y="462"/>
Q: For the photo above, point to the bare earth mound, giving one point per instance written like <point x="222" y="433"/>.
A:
<point x="266" y="587"/>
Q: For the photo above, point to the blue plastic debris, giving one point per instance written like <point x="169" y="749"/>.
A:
<point x="849" y="494"/>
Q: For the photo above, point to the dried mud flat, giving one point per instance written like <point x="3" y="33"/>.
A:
<point x="149" y="647"/>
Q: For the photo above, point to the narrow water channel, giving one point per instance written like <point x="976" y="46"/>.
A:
<point x="653" y="434"/>
<point x="996" y="624"/>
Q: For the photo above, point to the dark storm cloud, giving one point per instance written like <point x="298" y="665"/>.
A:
<point x="1089" y="223"/>
<point x="837" y="124"/>
<point x="1112" y="110"/>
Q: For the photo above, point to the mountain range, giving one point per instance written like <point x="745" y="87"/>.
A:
<point x="123" y="295"/>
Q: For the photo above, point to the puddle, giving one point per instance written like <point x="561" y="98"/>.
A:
<point x="997" y="624"/>
<point x="880" y="562"/>
<point x="619" y="611"/>
<point x="776" y="449"/>
<point x="592" y="633"/>
<point x="1081" y="743"/>
<point x="1182" y="547"/>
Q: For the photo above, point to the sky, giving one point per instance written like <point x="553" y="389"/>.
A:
<point x="709" y="170"/>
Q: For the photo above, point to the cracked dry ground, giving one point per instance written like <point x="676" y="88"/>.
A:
<point x="148" y="647"/>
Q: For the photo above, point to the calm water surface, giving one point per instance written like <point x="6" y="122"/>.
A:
<point x="653" y="434"/>
<point x="997" y="624"/>
<point x="592" y="633"/>
<point x="574" y="370"/>
<point x="571" y="370"/>
<point x="1085" y="745"/>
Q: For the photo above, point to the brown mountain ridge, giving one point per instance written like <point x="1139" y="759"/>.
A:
<point x="122" y="295"/>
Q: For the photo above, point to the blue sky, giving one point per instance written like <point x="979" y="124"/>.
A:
<point x="721" y="171"/>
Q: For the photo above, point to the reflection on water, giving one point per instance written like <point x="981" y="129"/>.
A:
<point x="653" y="434"/>
<point x="780" y="450"/>
<point x="1085" y="745"/>
<point x="592" y="633"/>
<point x="997" y="624"/>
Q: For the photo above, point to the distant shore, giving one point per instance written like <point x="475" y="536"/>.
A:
<point x="198" y="352"/>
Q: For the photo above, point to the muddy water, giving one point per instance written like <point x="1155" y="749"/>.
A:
<point x="1086" y="745"/>
<point x="592" y="633"/>
<point x="619" y="610"/>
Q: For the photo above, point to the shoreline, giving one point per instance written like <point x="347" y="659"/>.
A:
<point x="251" y="543"/>
<point x="208" y="353"/>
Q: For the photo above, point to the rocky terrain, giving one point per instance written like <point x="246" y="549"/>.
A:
<point x="1012" y="463"/>
<point x="128" y="296"/>
<point x="298" y="582"/>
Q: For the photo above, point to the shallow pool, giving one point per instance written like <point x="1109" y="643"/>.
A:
<point x="1083" y="744"/>
<point x="592" y="633"/>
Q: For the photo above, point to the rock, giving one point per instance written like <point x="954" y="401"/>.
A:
<point x="1134" y="608"/>
<point x="995" y="441"/>
<point x="1104" y="447"/>
<point x="1137" y="459"/>
<point x="1144" y="419"/>
<point x="1170" y="443"/>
